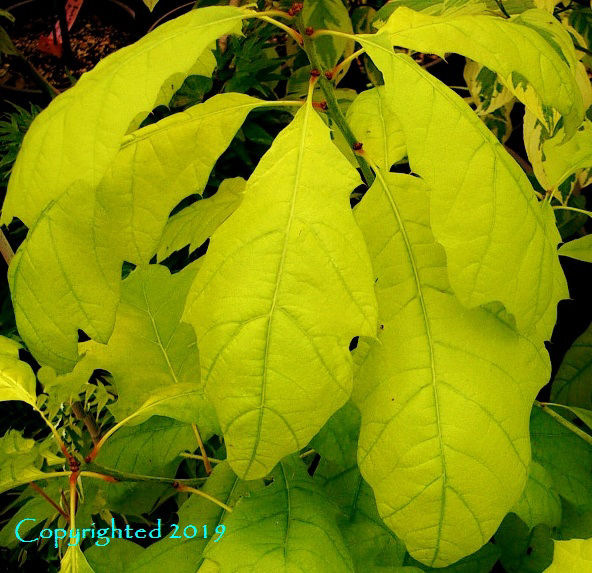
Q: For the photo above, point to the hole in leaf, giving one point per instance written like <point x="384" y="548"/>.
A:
<point x="354" y="343"/>
<point x="82" y="336"/>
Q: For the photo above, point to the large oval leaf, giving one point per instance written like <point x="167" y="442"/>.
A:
<point x="501" y="244"/>
<point x="79" y="134"/>
<point x="441" y="375"/>
<point x="285" y="286"/>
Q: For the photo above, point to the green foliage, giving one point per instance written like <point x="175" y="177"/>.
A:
<point x="197" y="290"/>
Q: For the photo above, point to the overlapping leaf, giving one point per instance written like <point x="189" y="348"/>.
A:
<point x="440" y="376"/>
<point x="375" y="123"/>
<point x="79" y="134"/>
<point x="532" y="54"/>
<point x="66" y="275"/>
<point x="151" y="353"/>
<point x="196" y="223"/>
<point x="287" y="526"/>
<point x="285" y="286"/>
<point x="501" y="245"/>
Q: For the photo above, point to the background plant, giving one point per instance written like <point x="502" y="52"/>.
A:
<point x="195" y="290"/>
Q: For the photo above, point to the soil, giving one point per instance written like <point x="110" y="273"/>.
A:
<point x="91" y="40"/>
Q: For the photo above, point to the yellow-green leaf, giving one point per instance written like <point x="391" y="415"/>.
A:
<point x="532" y="54"/>
<point x="196" y="223"/>
<point x="17" y="381"/>
<point x="79" y="134"/>
<point x="580" y="249"/>
<point x="573" y="556"/>
<point x="74" y="561"/>
<point x="375" y="124"/>
<point x="285" y="286"/>
<point x="501" y="244"/>
<point x="440" y="375"/>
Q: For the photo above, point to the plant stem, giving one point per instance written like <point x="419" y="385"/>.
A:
<point x="567" y="208"/>
<point x="56" y="435"/>
<point x="290" y="31"/>
<point x="346" y="61"/>
<point x="48" y="499"/>
<point x="5" y="248"/>
<point x="202" y="449"/>
<point x="502" y="8"/>
<point x="198" y="457"/>
<point x="333" y="108"/>
<point x="79" y="412"/>
<point x="184" y="488"/>
<point x="559" y="418"/>
<point x="73" y="499"/>
<point x="97" y="471"/>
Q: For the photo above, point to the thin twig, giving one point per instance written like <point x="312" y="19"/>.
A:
<point x="186" y="489"/>
<point x="51" y="501"/>
<point x="202" y="449"/>
<point x="88" y="420"/>
<point x="198" y="457"/>
<point x="5" y="248"/>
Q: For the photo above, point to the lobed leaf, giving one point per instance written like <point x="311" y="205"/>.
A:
<point x="285" y="286"/>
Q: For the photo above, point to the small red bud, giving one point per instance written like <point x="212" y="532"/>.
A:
<point x="309" y="30"/>
<point x="296" y="8"/>
<point x="314" y="73"/>
<point x="357" y="146"/>
<point x="329" y="74"/>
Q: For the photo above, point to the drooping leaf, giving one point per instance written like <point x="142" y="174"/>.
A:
<point x="539" y="502"/>
<point x="287" y="526"/>
<point x="565" y="456"/>
<point x="523" y="550"/>
<point x="573" y="383"/>
<point x="279" y="297"/>
<point x="151" y="349"/>
<point x="332" y="14"/>
<point x="74" y="561"/>
<point x="532" y="54"/>
<point x="580" y="249"/>
<point x="196" y="223"/>
<point x="150" y="4"/>
<point x="17" y="381"/>
<point x="438" y="377"/>
<point x="176" y="154"/>
<point x="62" y="279"/>
<point x="501" y="245"/>
<point x="376" y="125"/>
<point x="86" y="123"/>
<point x="574" y="555"/>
